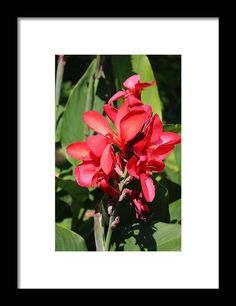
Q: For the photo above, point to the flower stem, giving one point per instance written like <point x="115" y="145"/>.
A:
<point x="59" y="77"/>
<point x="109" y="233"/>
<point x="98" y="232"/>
<point x="98" y="229"/>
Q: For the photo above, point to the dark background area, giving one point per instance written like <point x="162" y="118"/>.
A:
<point x="166" y="68"/>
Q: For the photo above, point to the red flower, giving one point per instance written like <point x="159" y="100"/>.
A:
<point x="98" y="164"/>
<point x="142" y="146"/>
<point x="133" y="91"/>
<point x="150" y="151"/>
<point x="132" y="95"/>
<point x="128" y="123"/>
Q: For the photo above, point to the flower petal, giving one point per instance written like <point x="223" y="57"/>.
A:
<point x="132" y="124"/>
<point x="97" y="144"/>
<point x="163" y="151"/>
<point x="132" y="167"/>
<point x="84" y="174"/>
<point x="79" y="150"/>
<point x="140" y="86"/>
<point x="131" y="81"/>
<point x="140" y="147"/>
<point x="120" y="94"/>
<point x="154" y="130"/>
<point x="123" y="110"/>
<point x="155" y="164"/>
<point x="108" y="160"/>
<point x="97" y="122"/>
<point x="107" y="188"/>
<point x="148" y="187"/>
<point x="110" y="111"/>
<point x="134" y="101"/>
<point x="169" y="138"/>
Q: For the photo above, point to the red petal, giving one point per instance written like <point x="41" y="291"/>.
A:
<point x="97" y="144"/>
<point x="123" y="110"/>
<point x="110" y="111"/>
<point x="131" y="81"/>
<point x="120" y="94"/>
<point x="106" y="187"/>
<point x="108" y="160"/>
<point x="133" y="101"/>
<point x="140" y="146"/>
<point x="140" y="86"/>
<point x="84" y="174"/>
<point x="148" y="187"/>
<point x="147" y="109"/>
<point x="154" y="130"/>
<point x="169" y="138"/>
<point x="79" y="150"/>
<point x="97" y="122"/>
<point x="163" y="151"/>
<point x="155" y="164"/>
<point x="132" y="167"/>
<point x="132" y="124"/>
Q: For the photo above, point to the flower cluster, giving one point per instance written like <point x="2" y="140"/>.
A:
<point x="133" y="147"/>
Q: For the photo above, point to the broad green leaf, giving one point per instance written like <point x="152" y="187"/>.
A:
<point x="150" y="236"/>
<point x="73" y="127"/>
<point x="176" y="128"/>
<point x="175" y="211"/>
<point x="66" y="240"/>
<point x="98" y="104"/>
<point x="77" y="192"/>
<point x="177" y="153"/>
<point x="150" y="95"/>
<point x="173" y="165"/>
<point x="66" y="223"/>
<point x="122" y="69"/>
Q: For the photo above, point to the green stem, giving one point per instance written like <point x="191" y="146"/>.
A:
<point x="98" y="229"/>
<point x="98" y="232"/>
<point x="59" y="77"/>
<point x="109" y="233"/>
<point x="92" y="89"/>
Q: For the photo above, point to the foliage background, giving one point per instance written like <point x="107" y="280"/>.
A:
<point x="75" y="205"/>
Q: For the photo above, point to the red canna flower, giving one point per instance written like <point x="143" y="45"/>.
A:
<point x="142" y="146"/>
<point x="128" y="123"/>
<point x="149" y="155"/>
<point x="133" y="91"/>
<point x="98" y="158"/>
<point x="132" y="95"/>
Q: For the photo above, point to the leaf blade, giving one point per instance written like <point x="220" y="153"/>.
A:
<point x="66" y="240"/>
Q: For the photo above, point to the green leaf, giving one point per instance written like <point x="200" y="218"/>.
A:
<point x="73" y="127"/>
<point x="66" y="223"/>
<point x="173" y="165"/>
<point x="67" y="240"/>
<point x="77" y="192"/>
<point x="150" y="236"/>
<point x="175" y="211"/>
<point x="174" y="190"/>
<point x="125" y="66"/>
<point x="122" y="69"/>
<point x="176" y="128"/>
<point x="98" y="104"/>
<point x="150" y="95"/>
